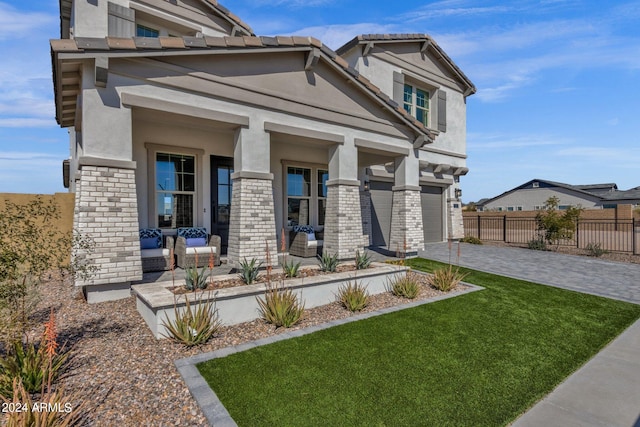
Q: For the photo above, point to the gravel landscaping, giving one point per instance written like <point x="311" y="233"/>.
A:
<point x="128" y="376"/>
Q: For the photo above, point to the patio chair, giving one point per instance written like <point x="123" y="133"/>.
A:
<point x="304" y="241"/>
<point x="155" y="250"/>
<point x="195" y="242"/>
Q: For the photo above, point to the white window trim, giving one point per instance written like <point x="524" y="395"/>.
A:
<point x="152" y="150"/>
<point x="313" y="197"/>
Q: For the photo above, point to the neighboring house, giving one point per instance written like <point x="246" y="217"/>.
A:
<point x="179" y="115"/>
<point x="533" y="194"/>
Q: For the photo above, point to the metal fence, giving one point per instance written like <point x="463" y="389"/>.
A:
<point x="611" y="235"/>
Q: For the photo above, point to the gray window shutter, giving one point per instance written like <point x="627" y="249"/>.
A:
<point x="122" y="21"/>
<point x="442" y="111"/>
<point x="398" y="88"/>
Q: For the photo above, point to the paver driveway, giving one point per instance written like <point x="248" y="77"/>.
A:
<point x="579" y="273"/>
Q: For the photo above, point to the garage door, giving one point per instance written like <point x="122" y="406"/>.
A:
<point x="381" y="198"/>
<point x="431" y="199"/>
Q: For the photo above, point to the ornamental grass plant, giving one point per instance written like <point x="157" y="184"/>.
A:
<point x="280" y="306"/>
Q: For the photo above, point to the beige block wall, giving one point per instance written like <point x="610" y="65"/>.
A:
<point x="621" y="212"/>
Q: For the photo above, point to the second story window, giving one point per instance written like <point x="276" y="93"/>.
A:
<point x="416" y="103"/>
<point x="142" y="31"/>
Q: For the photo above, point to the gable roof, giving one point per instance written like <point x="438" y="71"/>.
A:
<point x="582" y="189"/>
<point x="223" y="12"/>
<point x="424" y="39"/>
<point x="66" y="76"/>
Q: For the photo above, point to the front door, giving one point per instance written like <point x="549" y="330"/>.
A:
<point x="221" y="170"/>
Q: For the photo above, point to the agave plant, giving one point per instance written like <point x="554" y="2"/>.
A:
<point x="280" y="306"/>
<point x="353" y="296"/>
<point x="328" y="263"/>
<point x="363" y="261"/>
<point x="290" y="268"/>
<point x="194" y="279"/>
<point x="193" y="326"/>
<point x="250" y="270"/>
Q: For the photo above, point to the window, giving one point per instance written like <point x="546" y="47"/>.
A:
<point x="416" y="103"/>
<point x="323" y="176"/>
<point x="510" y="209"/>
<point x="298" y="195"/>
<point x="519" y="208"/>
<point x="175" y="190"/>
<point x="143" y="31"/>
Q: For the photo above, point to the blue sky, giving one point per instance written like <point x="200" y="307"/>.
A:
<point x="558" y="82"/>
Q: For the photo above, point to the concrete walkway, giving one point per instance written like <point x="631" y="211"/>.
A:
<point x="606" y="390"/>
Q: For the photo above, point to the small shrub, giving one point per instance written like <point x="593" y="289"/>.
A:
<point x="290" y="268"/>
<point x="71" y="408"/>
<point x="328" y="263"/>
<point x="472" y="240"/>
<point x="191" y="326"/>
<point x="363" y="261"/>
<point x="445" y="279"/>
<point x="595" y="250"/>
<point x="353" y="296"/>
<point x="404" y="286"/>
<point x="538" y="244"/>
<point x="194" y="279"/>
<point x="250" y="270"/>
<point x="29" y="363"/>
<point x="280" y="306"/>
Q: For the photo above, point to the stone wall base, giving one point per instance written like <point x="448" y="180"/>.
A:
<point x="108" y="292"/>
<point x="407" y="234"/>
<point x="343" y="221"/>
<point x="106" y="212"/>
<point x="253" y="225"/>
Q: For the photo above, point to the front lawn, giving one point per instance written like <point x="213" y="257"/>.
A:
<point x="480" y="359"/>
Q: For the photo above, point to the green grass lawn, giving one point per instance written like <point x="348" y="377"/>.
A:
<point x="480" y="359"/>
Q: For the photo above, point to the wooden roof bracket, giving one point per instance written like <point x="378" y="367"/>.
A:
<point x="312" y="59"/>
<point x="367" y="48"/>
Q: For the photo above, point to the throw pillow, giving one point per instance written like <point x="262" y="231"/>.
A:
<point x="149" y="243"/>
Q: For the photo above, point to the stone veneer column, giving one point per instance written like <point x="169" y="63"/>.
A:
<point x="454" y="218"/>
<point x="365" y="209"/>
<point x="106" y="210"/>
<point x="252" y="221"/>
<point x="407" y="235"/>
<point x="343" y="220"/>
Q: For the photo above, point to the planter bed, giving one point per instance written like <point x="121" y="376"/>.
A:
<point x="156" y="302"/>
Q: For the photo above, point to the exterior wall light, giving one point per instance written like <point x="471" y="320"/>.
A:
<point x="458" y="193"/>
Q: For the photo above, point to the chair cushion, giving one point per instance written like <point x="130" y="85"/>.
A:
<point x="194" y="242"/>
<point x="312" y="244"/>
<point x="154" y="253"/>
<point x="201" y="250"/>
<point x="191" y="232"/>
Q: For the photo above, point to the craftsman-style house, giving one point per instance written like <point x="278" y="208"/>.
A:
<point x="179" y="116"/>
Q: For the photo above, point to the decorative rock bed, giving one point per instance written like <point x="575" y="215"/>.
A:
<point x="156" y="302"/>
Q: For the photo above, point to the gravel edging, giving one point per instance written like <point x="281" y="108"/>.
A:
<point x="208" y="401"/>
<point x="127" y="376"/>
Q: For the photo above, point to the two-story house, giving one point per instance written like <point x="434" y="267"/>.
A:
<point x="179" y="115"/>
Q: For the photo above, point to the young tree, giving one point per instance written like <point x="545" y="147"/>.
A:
<point x="554" y="227"/>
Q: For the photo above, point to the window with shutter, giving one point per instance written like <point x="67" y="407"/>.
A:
<point x="121" y="21"/>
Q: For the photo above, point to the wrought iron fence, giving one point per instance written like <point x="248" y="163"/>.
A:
<point x="611" y="235"/>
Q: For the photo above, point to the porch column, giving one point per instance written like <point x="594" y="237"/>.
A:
<point x="343" y="220"/>
<point x="455" y="222"/>
<point x="106" y="205"/>
<point x="365" y="206"/>
<point x="407" y="235"/>
<point x="252" y="224"/>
